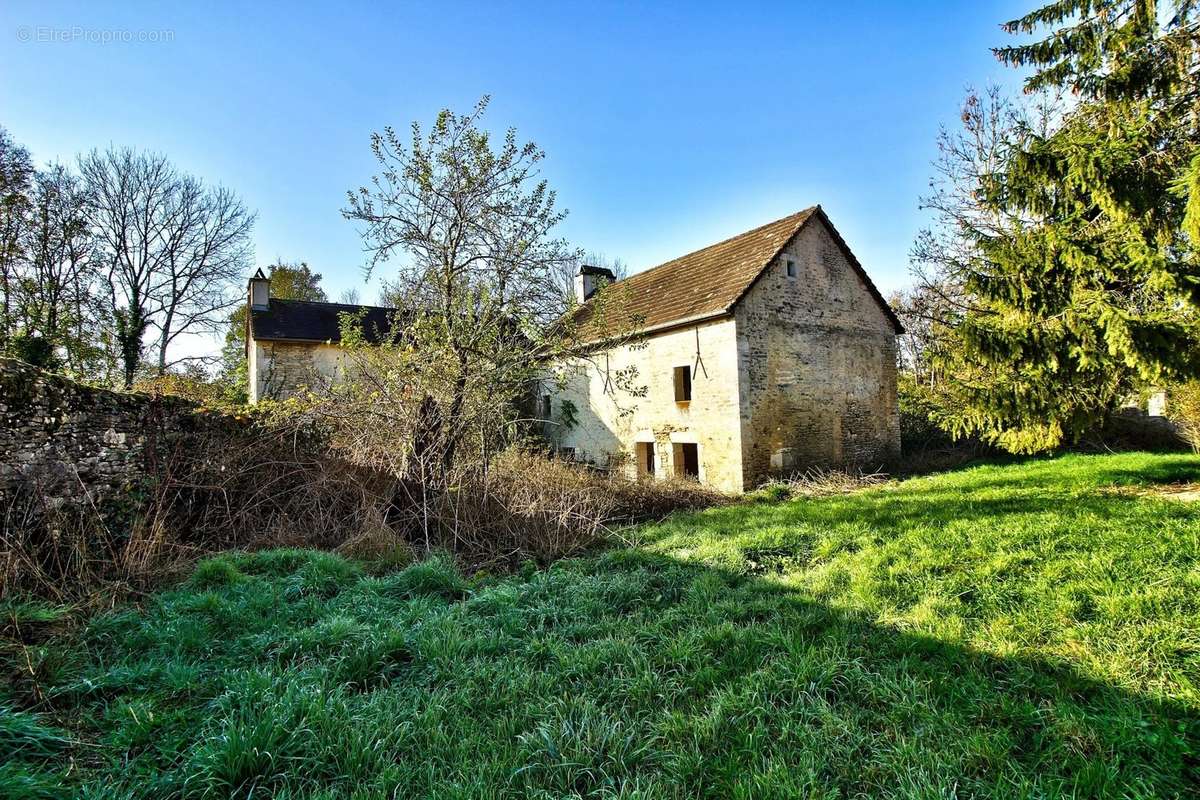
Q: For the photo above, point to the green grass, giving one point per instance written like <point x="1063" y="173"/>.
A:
<point x="1010" y="631"/>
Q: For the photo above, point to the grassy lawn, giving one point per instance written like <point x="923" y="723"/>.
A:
<point x="1028" y="630"/>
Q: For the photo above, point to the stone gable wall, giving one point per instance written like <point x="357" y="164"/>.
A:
<point x="280" y="369"/>
<point x="817" y="365"/>
<point x="73" y="444"/>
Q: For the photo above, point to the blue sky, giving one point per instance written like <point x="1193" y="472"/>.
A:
<point x="667" y="126"/>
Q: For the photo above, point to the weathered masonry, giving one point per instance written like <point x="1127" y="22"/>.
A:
<point x="76" y="446"/>
<point x="765" y="353"/>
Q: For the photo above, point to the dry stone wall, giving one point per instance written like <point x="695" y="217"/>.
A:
<point x="71" y="444"/>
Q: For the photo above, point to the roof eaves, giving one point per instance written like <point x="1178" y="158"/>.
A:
<point x="293" y="339"/>
<point x="665" y="327"/>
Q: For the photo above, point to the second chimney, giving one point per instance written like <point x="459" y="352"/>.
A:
<point x="260" y="291"/>
<point x="590" y="279"/>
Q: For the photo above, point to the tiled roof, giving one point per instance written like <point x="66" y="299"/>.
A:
<point x="308" y="321"/>
<point x="710" y="281"/>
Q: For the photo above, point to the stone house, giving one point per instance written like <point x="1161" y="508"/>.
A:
<point x="291" y="344"/>
<point x="765" y="353"/>
<point x="762" y="354"/>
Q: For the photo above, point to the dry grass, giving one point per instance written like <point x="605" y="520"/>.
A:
<point x="273" y="486"/>
<point x="817" y="482"/>
<point x="529" y="507"/>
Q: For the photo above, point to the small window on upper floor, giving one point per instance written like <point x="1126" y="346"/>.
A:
<point x="547" y="408"/>
<point x="791" y="268"/>
<point x="683" y="384"/>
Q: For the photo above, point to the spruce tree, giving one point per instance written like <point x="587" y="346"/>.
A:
<point x="1094" y="293"/>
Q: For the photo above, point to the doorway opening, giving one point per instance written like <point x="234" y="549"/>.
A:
<point x="645" y="457"/>
<point x="687" y="460"/>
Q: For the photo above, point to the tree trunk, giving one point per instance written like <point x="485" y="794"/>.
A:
<point x="130" y="324"/>
<point x="456" y="407"/>
<point x="162" y="341"/>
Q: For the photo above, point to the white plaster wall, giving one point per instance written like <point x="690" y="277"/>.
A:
<point x="610" y="425"/>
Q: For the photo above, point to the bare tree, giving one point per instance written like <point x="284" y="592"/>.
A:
<point x="929" y="313"/>
<point x="16" y="179"/>
<point x="968" y="162"/>
<point x="56" y="296"/>
<point x="212" y="256"/>
<point x="567" y="271"/>
<point x="172" y="249"/>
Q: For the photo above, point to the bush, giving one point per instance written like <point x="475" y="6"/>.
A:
<point x="919" y="433"/>
<point x="221" y="487"/>
<point x="530" y="507"/>
<point x="925" y="446"/>
<point x="1183" y="409"/>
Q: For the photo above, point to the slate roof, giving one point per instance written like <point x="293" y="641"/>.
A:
<point x="710" y="281"/>
<point x="310" y="321"/>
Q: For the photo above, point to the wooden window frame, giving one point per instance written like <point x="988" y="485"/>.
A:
<point x="646" y="460"/>
<point x="683" y="385"/>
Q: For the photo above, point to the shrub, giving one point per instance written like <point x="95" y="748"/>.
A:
<point x="269" y="483"/>
<point x="1184" y="410"/>
<point x="926" y="446"/>
<point x="527" y="506"/>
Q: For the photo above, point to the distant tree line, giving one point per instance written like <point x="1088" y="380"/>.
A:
<point x="108" y="264"/>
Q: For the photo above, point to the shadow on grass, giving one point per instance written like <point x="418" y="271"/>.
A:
<point x="854" y="707"/>
<point x="627" y="674"/>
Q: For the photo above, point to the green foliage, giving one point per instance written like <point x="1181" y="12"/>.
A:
<point x="919" y="409"/>
<point x="1017" y="631"/>
<point x="568" y="415"/>
<point x="213" y="573"/>
<point x="34" y="350"/>
<point x="1183" y="408"/>
<point x="1091" y="289"/>
<point x="129" y="329"/>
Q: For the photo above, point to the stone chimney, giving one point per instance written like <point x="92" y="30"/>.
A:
<point x="260" y="291"/>
<point x="589" y="279"/>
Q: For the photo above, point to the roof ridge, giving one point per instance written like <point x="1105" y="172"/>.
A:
<point x="330" y="303"/>
<point x="803" y="212"/>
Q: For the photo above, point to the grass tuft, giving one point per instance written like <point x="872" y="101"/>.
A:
<point x="434" y="577"/>
<point x="216" y="573"/>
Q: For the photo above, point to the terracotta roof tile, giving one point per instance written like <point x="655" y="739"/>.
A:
<point x="710" y="281"/>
